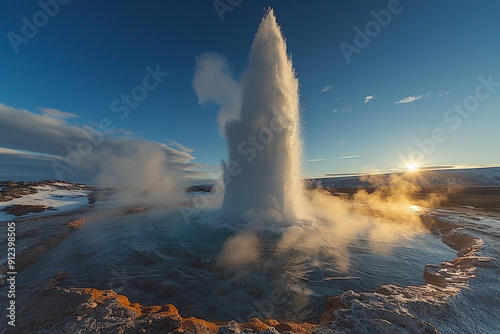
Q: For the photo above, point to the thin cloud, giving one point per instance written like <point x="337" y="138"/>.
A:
<point x="30" y="155"/>
<point x="441" y="93"/>
<point x="326" y="89"/>
<point x="315" y="160"/>
<point x="410" y="99"/>
<point x="369" y="98"/>
<point x="350" y="157"/>
<point x="181" y="147"/>
<point x="57" y="113"/>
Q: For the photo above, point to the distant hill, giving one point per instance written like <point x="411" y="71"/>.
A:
<point x="471" y="177"/>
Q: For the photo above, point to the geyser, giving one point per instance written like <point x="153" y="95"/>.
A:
<point x="262" y="176"/>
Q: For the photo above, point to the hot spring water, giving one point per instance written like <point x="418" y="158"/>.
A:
<point x="156" y="259"/>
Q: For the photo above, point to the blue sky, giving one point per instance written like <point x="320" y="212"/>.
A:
<point x="430" y="53"/>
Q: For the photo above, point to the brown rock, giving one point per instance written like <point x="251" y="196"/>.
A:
<point x="199" y="326"/>
<point x="283" y="327"/>
<point x="76" y="224"/>
<point x="21" y="210"/>
<point x="433" y="276"/>
<point x="475" y="261"/>
<point x="331" y="304"/>
<point x="389" y="289"/>
<point x="271" y="322"/>
<point x="256" y="325"/>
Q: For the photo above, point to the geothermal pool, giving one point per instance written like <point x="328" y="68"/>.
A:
<point x="157" y="258"/>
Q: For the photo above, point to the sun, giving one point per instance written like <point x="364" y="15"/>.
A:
<point x="412" y="167"/>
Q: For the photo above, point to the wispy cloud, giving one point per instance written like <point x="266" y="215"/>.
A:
<point x="369" y="98"/>
<point x="410" y="99"/>
<point x="315" y="160"/>
<point x="30" y="155"/>
<point x="326" y="89"/>
<point x="350" y="157"/>
<point x="346" y="108"/>
<point x="57" y="113"/>
<point x="441" y="93"/>
<point x="181" y="147"/>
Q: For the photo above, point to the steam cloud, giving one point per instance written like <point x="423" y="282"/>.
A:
<point x="148" y="172"/>
<point x="240" y="250"/>
<point x="213" y="82"/>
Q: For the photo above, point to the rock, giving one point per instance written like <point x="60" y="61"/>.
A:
<point x="433" y="276"/>
<point x="271" y="322"/>
<point x="475" y="261"/>
<point x="15" y="190"/>
<point x="283" y="327"/>
<point x="20" y="210"/>
<point x="256" y="325"/>
<point x="61" y="275"/>
<point x="331" y="304"/>
<point x="389" y="289"/>
<point x="370" y="312"/>
<point x="231" y="328"/>
<point x="76" y="224"/>
<point x="459" y="239"/>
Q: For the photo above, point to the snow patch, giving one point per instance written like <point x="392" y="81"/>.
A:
<point x="49" y="196"/>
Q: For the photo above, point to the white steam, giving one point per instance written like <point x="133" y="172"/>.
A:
<point x="145" y="173"/>
<point x="240" y="250"/>
<point x="213" y="82"/>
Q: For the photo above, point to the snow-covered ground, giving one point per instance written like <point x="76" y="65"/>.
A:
<point x="54" y="196"/>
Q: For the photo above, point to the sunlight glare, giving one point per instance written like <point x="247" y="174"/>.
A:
<point x="412" y="167"/>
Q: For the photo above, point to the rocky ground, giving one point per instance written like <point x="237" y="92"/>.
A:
<point x="10" y="190"/>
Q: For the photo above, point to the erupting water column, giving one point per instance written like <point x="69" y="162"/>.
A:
<point x="263" y="175"/>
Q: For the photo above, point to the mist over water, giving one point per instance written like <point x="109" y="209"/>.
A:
<point x="263" y="174"/>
